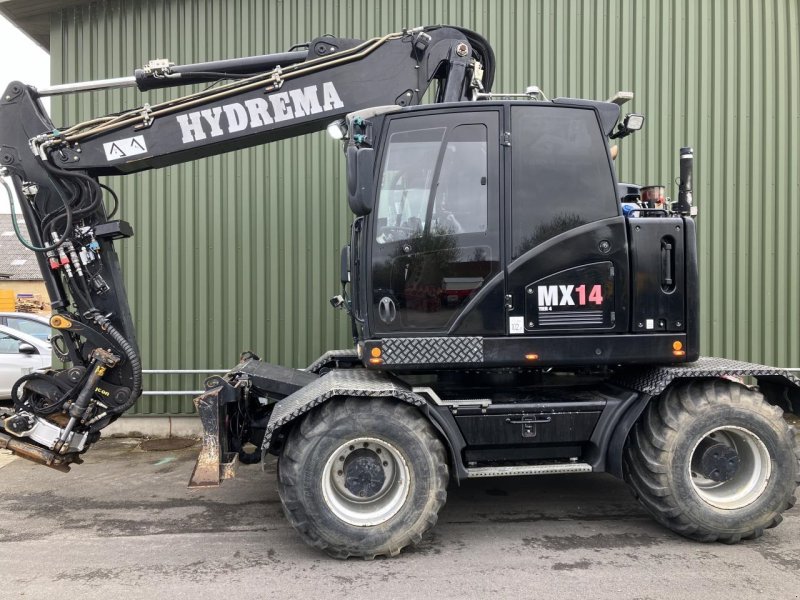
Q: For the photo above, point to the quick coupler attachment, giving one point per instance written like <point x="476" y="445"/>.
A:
<point x="34" y="453"/>
<point x="216" y="462"/>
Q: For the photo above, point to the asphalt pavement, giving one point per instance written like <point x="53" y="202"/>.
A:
<point x="124" y="525"/>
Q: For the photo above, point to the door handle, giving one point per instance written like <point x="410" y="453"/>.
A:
<point x="525" y="421"/>
<point x="667" y="277"/>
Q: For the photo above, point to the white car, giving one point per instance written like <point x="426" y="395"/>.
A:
<point x="20" y="354"/>
<point x="36" y="325"/>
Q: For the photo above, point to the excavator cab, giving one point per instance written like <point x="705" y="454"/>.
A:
<point x="501" y="220"/>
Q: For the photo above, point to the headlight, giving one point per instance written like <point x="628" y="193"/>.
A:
<point x="634" y="122"/>
<point x="338" y="129"/>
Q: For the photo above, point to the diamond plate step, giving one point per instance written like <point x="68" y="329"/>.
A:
<point x="554" y="469"/>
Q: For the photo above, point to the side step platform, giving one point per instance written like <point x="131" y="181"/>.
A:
<point x="251" y="375"/>
<point x="549" y="469"/>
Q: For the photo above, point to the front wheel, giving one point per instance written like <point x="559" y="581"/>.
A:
<point x="712" y="461"/>
<point x="362" y="477"/>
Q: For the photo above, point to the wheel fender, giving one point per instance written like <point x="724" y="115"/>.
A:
<point x="357" y="383"/>
<point x="654" y="380"/>
<point x="616" y="444"/>
<point x="781" y="387"/>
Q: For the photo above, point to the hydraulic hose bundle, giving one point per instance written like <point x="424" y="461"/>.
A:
<point x="73" y="257"/>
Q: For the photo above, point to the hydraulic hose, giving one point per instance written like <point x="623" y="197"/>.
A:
<point x="133" y="357"/>
<point x="11" y="195"/>
<point x="114" y="196"/>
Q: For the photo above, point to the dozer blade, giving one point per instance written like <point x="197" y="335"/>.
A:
<point x="213" y="464"/>
<point x="224" y="393"/>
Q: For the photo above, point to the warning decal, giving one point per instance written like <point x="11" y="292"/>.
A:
<point x="516" y="325"/>
<point x="124" y="148"/>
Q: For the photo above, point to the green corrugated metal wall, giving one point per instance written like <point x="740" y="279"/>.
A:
<point x="241" y="251"/>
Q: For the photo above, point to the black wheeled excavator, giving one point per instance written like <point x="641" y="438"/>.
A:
<point x="515" y="309"/>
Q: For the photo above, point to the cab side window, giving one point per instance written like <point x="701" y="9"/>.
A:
<point x="406" y="183"/>
<point x="460" y="205"/>
<point x="561" y="178"/>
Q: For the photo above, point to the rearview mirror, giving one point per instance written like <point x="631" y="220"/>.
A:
<point x="26" y="348"/>
<point x="360" y="164"/>
<point x="345" y="265"/>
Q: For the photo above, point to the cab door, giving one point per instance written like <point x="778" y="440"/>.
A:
<point x="567" y="249"/>
<point x="436" y="266"/>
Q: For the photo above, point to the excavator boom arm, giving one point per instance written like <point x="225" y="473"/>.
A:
<point x="52" y="174"/>
<point x="336" y="76"/>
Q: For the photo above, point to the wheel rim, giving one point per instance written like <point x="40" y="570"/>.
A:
<point x="730" y="467"/>
<point x="365" y="481"/>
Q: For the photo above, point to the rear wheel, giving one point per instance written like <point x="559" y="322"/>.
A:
<point x="363" y="477"/>
<point x="712" y="461"/>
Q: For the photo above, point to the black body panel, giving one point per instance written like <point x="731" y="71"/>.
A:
<point x="270" y="380"/>
<point x="574" y="350"/>
<point x="589" y="255"/>
<point x="658" y="274"/>
<point x="407" y="354"/>
<point x="692" y="291"/>
<point x="533" y="427"/>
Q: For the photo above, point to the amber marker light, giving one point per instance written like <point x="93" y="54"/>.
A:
<point x="677" y="348"/>
<point x="375" y="355"/>
<point x="532" y="356"/>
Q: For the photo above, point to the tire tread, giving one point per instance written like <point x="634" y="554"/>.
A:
<point x="314" y="424"/>
<point x="646" y="453"/>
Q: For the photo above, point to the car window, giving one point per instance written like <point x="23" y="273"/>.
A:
<point x="8" y="344"/>
<point x="31" y="327"/>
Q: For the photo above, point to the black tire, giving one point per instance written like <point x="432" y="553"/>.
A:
<point x="659" y="470"/>
<point x="321" y="434"/>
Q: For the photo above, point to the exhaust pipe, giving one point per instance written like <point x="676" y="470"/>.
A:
<point x="36" y="454"/>
<point x="685" y="199"/>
